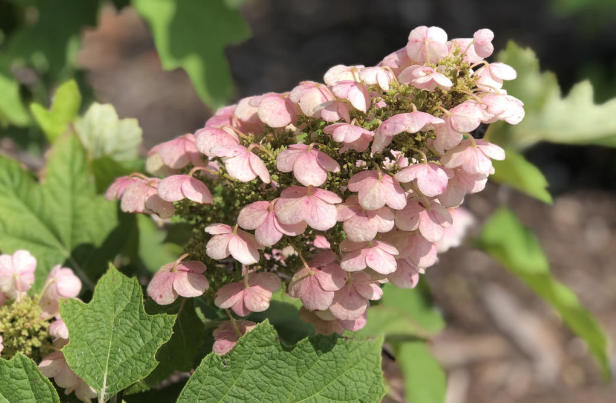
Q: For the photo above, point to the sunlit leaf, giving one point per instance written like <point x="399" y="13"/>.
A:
<point x="21" y="381"/>
<point x="64" y="108"/>
<point x="424" y="378"/>
<point x="517" y="172"/>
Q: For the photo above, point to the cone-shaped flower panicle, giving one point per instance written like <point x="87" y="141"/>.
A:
<point x="179" y="278"/>
<point x="210" y="137"/>
<point x="316" y="207"/>
<point x="241" y="163"/>
<point x="352" y="300"/>
<point x="376" y="189"/>
<point x="252" y="294"/>
<point x="227" y="334"/>
<point x="17" y="273"/>
<point x="473" y="156"/>
<point x="178" y="187"/>
<point x="309" y="165"/>
<point x="232" y="241"/>
<point x="260" y="216"/>
<point x="412" y="122"/>
<point x="427" y="44"/>
<point x="430" y="219"/>
<point x="316" y="281"/>
<point x="362" y="225"/>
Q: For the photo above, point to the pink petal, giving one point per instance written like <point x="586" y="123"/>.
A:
<point x="170" y="188"/>
<point x="196" y="191"/>
<point x="189" y="284"/>
<point x="161" y="289"/>
<point x="243" y="248"/>
<point x="319" y="214"/>
<point x="253" y="215"/>
<point x="308" y="171"/>
<point x="348" y="304"/>
<point x="216" y="229"/>
<point x="259" y="168"/>
<point x="406" y="276"/>
<point x="218" y="247"/>
<point x="229" y="295"/>
<point x="380" y="261"/>
<point x="276" y="111"/>
<point x="331" y="277"/>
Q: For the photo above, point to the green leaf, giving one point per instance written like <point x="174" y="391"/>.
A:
<point x="177" y="26"/>
<point x="60" y="220"/>
<point x="113" y="341"/>
<point x="23" y="382"/>
<point x="106" y="170"/>
<point x="103" y="134"/>
<point x="180" y="352"/>
<point x="12" y="110"/>
<point x="505" y="239"/>
<point x="153" y="251"/>
<point x="521" y="175"/>
<point x="318" y="369"/>
<point x="424" y="379"/>
<point x="64" y="108"/>
<point x="403" y="314"/>
<point x="574" y="119"/>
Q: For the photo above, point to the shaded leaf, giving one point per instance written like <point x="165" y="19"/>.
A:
<point x="176" y="25"/>
<point x="103" y="134"/>
<point x="113" y="341"/>
<point x="424" y="378"/>
<point x="21" y="381"/>
<point x="64" y="108"/>
<point x="60" y="220"/>
<point x="521" y="175"/>
<point x="318" y="369"/>
<point x="153" y="251"/>
<point x="505" y="239"/>
<point x="12" y="110"/>
<point x="573" y="119"/>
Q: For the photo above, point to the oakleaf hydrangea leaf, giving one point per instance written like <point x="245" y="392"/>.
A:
<point x="12" y="110"/>
<point x="424" y="378"/>
<point x="113" y="341"/>
<point x="104" y="134"/>
<point x="64" y="108"/>
<point x="176" y="24"/>
<point x="505" y="239"/>
<point x="521" y="175"/>
<point x="317" y="369"/>
<point x="572" y="119"/>
<point x="21" y="381"/>
<point x="60" y="220"/>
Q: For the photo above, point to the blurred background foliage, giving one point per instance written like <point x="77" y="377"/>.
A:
<point x="159" y="68"/>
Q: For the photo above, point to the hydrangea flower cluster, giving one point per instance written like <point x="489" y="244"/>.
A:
<point x="333" y="188"/>
<point x="31" y="324"/>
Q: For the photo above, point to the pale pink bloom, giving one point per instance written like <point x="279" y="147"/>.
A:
<point x="406" y="275"/>
<point x="452" y="238"/>
<point x="260" y="216"/>
<point x="249" y="295"/>
<point x="467" y="48"/>
<point x="353" y="137"/>
<point x="331" y="324"/>
<point x="178" y="278"/>
<point x="461" y="184"/>
<point x="377" y="255"/>
<point x="210" y="137"/>
<point x="61" y="283"/>
<point x="425" y="78"/>
<point x="246" y="115"/>
<point x="430" y="220"/>
<point x="227" y="334"/>
<point x="492" y="75"/>
<point x="362" y="225"/>
<point x="341" y="73"/>
<point x="277" y="110"/>
<point x="58" y="329"/>
<point x="376" y="75"/>
<point x="431" y="179"/>
<point x="352" y="300"/>
<point x="17" y="273"/>
<point x="397" y="61"/>
<point x="54" y="366"/>
<point x="154" y="164"/>
<point x="241" y="164"/>
<point x="403" y="122"/>
<point x="178" y="187"/>
<point x="377" y="189"/>
<point x="315" y="284"/>
<point x="463" y="118"/>
<point x="414" y="246"/>
<point x="117" y="188"/>
<point x="179" y="152"/>
<point x="483" y="42"/>
<point x="222" y="117"/>
<point x="313" y="205"/>
<point x="142" y="197"/>
<point x="232" y="241"/>
<point x="502" y="107"/>
<point x="427" y="44"/>
<point x="321" y="242"/>
<point x="309" y="165"/>
<point x="355" y="92"/>
<point x="473" y="157"/>
<point x="308" y="95"/>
